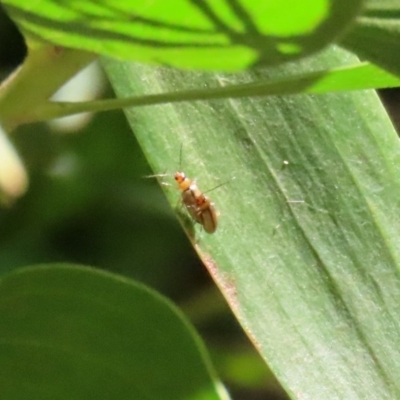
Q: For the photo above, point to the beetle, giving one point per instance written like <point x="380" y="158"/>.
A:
<point x="204" y="210"/>
<point x="201" y="209"/>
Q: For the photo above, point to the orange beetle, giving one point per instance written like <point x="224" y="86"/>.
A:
<point x="200" y="207"/>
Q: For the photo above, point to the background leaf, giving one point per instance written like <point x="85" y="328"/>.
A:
<point x="306" y="251"/>
<point x="225" y="35"/>
<point x="73" y="332"/>
<point x="376" y="35"/>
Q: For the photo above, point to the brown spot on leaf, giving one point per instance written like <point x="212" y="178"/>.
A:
<point x="225" y="283"/>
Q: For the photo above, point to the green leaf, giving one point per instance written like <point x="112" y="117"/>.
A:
<point x="69" y="332"/>
<point x="306" y="251"/>
<point x="376" y="35"/>
<point x="225" y="34"/>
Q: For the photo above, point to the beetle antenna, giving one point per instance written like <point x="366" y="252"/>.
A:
<point x="221" y="184"/>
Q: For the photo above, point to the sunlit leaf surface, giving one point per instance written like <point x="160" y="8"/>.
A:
<point x="225" y="34"/>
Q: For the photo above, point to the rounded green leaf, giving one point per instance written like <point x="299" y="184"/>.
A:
<point x="69" y="332"/>
<point x="224" y="34"/>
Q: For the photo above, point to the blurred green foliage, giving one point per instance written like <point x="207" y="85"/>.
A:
<point x="90" y="202"/>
